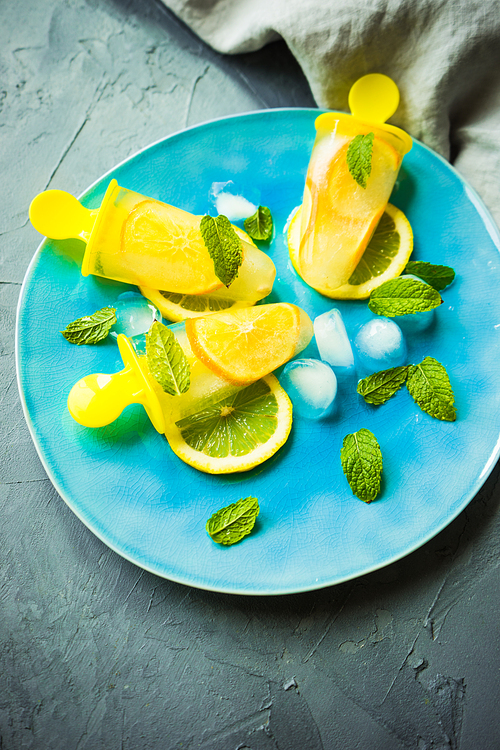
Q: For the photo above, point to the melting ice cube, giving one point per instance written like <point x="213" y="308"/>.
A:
<point x="235" y="207"/>
<point x="380" y="345"/>
<point x="415" y="322"/>
<point x="134" y="315"/>
<point x="332" y="339"/>
<point x="312" y="387"/>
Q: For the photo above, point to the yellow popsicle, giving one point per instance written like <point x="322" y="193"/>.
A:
<point x="138" y="240"/>
<point x="338" y="215"/>
<point x="98" y="399"/>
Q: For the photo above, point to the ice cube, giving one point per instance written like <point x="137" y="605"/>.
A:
<point x="312" y="387"/>
<point x="379" y="344"/>
<point x="415" y="322"/>
<point x="235" y="207"/>
<point x="229" y="203"/>
<point x="134" y="315"/>
<point x="332" y="339"/>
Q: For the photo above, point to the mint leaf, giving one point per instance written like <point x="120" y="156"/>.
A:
<point x="223" y="245"/>
<point x="260" y="225"/>
<point x="361" y="460"/>
<point x="359" y="158"/>
<point x="166" y="360"/>
<point x="402" y="297"/>
<point x="439" y="277"/>
<point x="91" y="328"/>
<point x="430" y="388"/>
<point x="230" y="524"/>
<point x="378" y="388"/>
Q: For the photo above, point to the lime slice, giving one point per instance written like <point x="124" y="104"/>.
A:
<point x="238" y="432"/>
<point x="384" y="258"/>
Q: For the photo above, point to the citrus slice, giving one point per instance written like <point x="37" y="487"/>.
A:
<point x="338" y="215"/>
<point x="175" y="306"/>
<point x="153" y="228"/>
<point x="385" y="257"/>
<point x="236" y="433"/>
<point x="244" y="345"/>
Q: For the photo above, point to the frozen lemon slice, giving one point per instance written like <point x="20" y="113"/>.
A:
<point x="338" y="215"/>
<point x="244" y="345"/>
<point x="385" y="257"/>
<point x="176" y="307"/>
<point x="238" y="432"/>
<point x="153" y="229"/>
<point x="156" y="237"/>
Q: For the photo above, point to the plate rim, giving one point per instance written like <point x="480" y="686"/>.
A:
<point x="490" y="461"/>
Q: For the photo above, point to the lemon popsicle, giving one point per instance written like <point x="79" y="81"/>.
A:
<point x="340" y="212"/>
<point x="205" y="387"/>
<point x="142" y="241"/>
<point x="219" y="358"/>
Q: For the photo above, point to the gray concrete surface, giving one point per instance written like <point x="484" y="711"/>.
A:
<point x="97" y="654"/>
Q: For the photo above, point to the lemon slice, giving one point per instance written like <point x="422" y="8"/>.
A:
<point x="238" y="432"/>
<point x="338" y="216"/>
<point x="242" y="346"/>
<point x="154" y="229"/>
<point x="177" y="307"/>
<point x="385" y="257"/>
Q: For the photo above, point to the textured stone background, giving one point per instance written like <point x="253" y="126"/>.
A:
<point x="97" y="654"/>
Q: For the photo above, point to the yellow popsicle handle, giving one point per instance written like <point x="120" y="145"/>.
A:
<point x="374" y="98"/>
<point x="99" y="399"/>
<point x="60" y="216"/>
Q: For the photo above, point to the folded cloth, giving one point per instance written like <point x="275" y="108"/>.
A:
<point x="443" y="54"/>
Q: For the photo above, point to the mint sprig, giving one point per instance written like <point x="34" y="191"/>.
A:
<point x="430" y="387"/>
<point x="230" y="524"/>
<point x="439" y="277"/>
<point x="260" y="225"/>
<point x="166" y="360"/>
<point x="91" y="328"/>
<point x="223" y="245"/>
<point x="428" y="384"/>
<point x="361" y="460"/>
<point x="403" y="297"/>
<point x="359" y="158"/>
<point x="378" y="388"/>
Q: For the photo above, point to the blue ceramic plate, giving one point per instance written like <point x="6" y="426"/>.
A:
<point x="127" y="486"/>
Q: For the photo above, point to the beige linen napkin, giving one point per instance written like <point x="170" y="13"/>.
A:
<point x="443" y="54"/>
